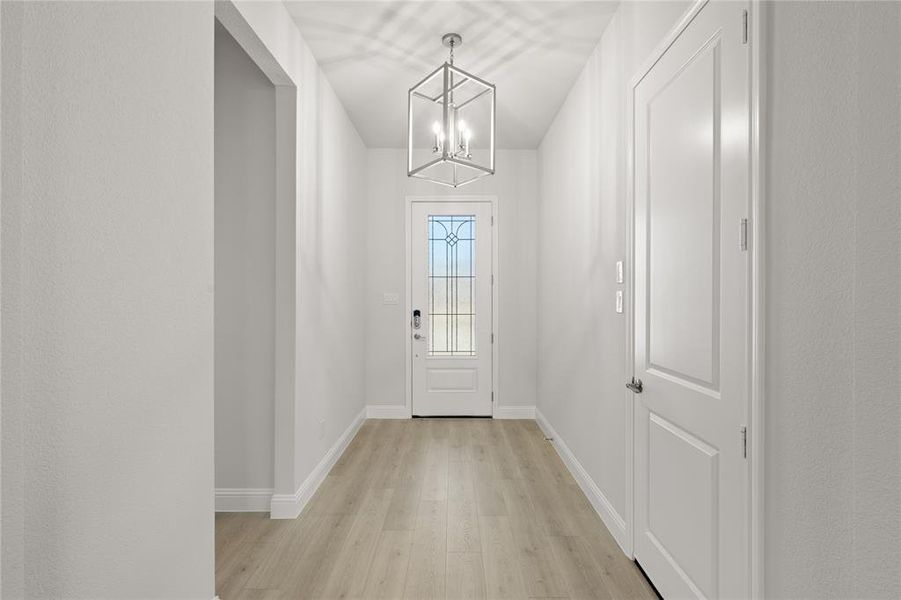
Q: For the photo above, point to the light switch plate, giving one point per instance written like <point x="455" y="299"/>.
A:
<point x="619" y="301"/>
<point x="619" y="271"/>
<point x="388" y="298"/>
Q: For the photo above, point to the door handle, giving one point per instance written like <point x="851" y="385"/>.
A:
<point x="635" y="385"/>
<point x="416" y="336"/>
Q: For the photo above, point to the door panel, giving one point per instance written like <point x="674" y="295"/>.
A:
<point x="451" y="254"/>
<point x="689" y="492"/>
<point x="452" y="380"/>
<point x="691" y="174"/>
<point x="683" y="286"/>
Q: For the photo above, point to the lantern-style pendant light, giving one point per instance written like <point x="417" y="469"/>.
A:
<point x="450" y="124"/>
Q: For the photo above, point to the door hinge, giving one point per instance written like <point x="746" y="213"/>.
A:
<point x="743" y="235"/>
<point x="492" y="338"/>
<point x="744" y="441"/>
<point x="492" y="220"/>
<point x="492" y="396"/>
<point x="492" y="279"/>
<point x="744" y="26"/>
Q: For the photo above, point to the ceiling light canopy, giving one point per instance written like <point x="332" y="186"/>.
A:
<point x="450" y="124"/>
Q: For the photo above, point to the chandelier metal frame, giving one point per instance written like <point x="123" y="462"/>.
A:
<point x="448" y="149"/>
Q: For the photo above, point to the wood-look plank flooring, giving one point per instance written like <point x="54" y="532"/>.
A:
<point x="432" y="508"/>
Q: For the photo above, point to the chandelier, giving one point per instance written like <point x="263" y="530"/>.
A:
<point x="450" y="124"/>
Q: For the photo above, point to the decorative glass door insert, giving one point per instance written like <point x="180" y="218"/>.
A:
<point x="452" y="284"/>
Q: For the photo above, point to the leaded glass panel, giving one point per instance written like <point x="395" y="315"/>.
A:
<point x="452" y="285"/>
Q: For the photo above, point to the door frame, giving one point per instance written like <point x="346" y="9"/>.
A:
<point x="408" y="291"/>
<point x="757" y="19"/>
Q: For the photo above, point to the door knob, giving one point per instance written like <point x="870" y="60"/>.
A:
<point x="635" y="385"/>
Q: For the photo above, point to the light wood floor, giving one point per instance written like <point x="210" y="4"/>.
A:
<point x="432" y="508"/>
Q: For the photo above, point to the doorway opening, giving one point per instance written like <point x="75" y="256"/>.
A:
<point x="255" y="166"/>
<point x="244" y="258"/>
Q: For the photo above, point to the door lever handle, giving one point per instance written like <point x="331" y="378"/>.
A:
<point x="416" y="336"/>
<point x="635" y="385"/>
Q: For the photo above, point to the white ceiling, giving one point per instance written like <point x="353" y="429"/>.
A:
<point x="373" y="51"/>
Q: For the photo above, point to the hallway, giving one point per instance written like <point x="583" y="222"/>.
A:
<point x="432" y="508"/>
<point x="267" y="266"/>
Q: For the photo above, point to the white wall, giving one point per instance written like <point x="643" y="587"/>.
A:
<point x="581" y="339"/>
<point x="107" y="276"/>
<point x="515" y="186"/>
<point x="330" y="285"/>
<point x="329" y="233"/>
<point x="833" y="397"/>
<point x="245" y="169"/>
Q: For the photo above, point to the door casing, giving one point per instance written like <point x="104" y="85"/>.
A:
<point x="757" y="18"/>
<point x="408" y="294"/>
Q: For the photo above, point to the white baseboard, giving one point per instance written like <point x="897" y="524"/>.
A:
<point x="612" y="519"/>
<point x="243" y="499"/>
<point x="387" y="411"/>
<point x="399" y="411"/>
<point x="514" y="412"/>
<point x="288" y="506"/>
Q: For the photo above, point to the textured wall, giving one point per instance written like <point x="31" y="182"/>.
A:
<point x="515" y="186"/>
<point x="12" y="523"/>
<point x="833" y="495"/>
<point x="107" y="275"/>
<point x="245" y="268"/>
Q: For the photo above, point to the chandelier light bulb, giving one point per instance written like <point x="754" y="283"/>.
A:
<point x="461" y="135"/>
<point x="436" y="128"/>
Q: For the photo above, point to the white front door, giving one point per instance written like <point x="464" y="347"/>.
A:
<point x="451" y="333"/>
<point x="691" y="273"/>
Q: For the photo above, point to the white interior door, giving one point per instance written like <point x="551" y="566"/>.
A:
<point x="691" y="310"/>
<point x="451" y="334"/>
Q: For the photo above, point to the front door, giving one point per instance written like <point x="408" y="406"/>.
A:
<point x="691" y="310"/>
<point x="451" y="320"/>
